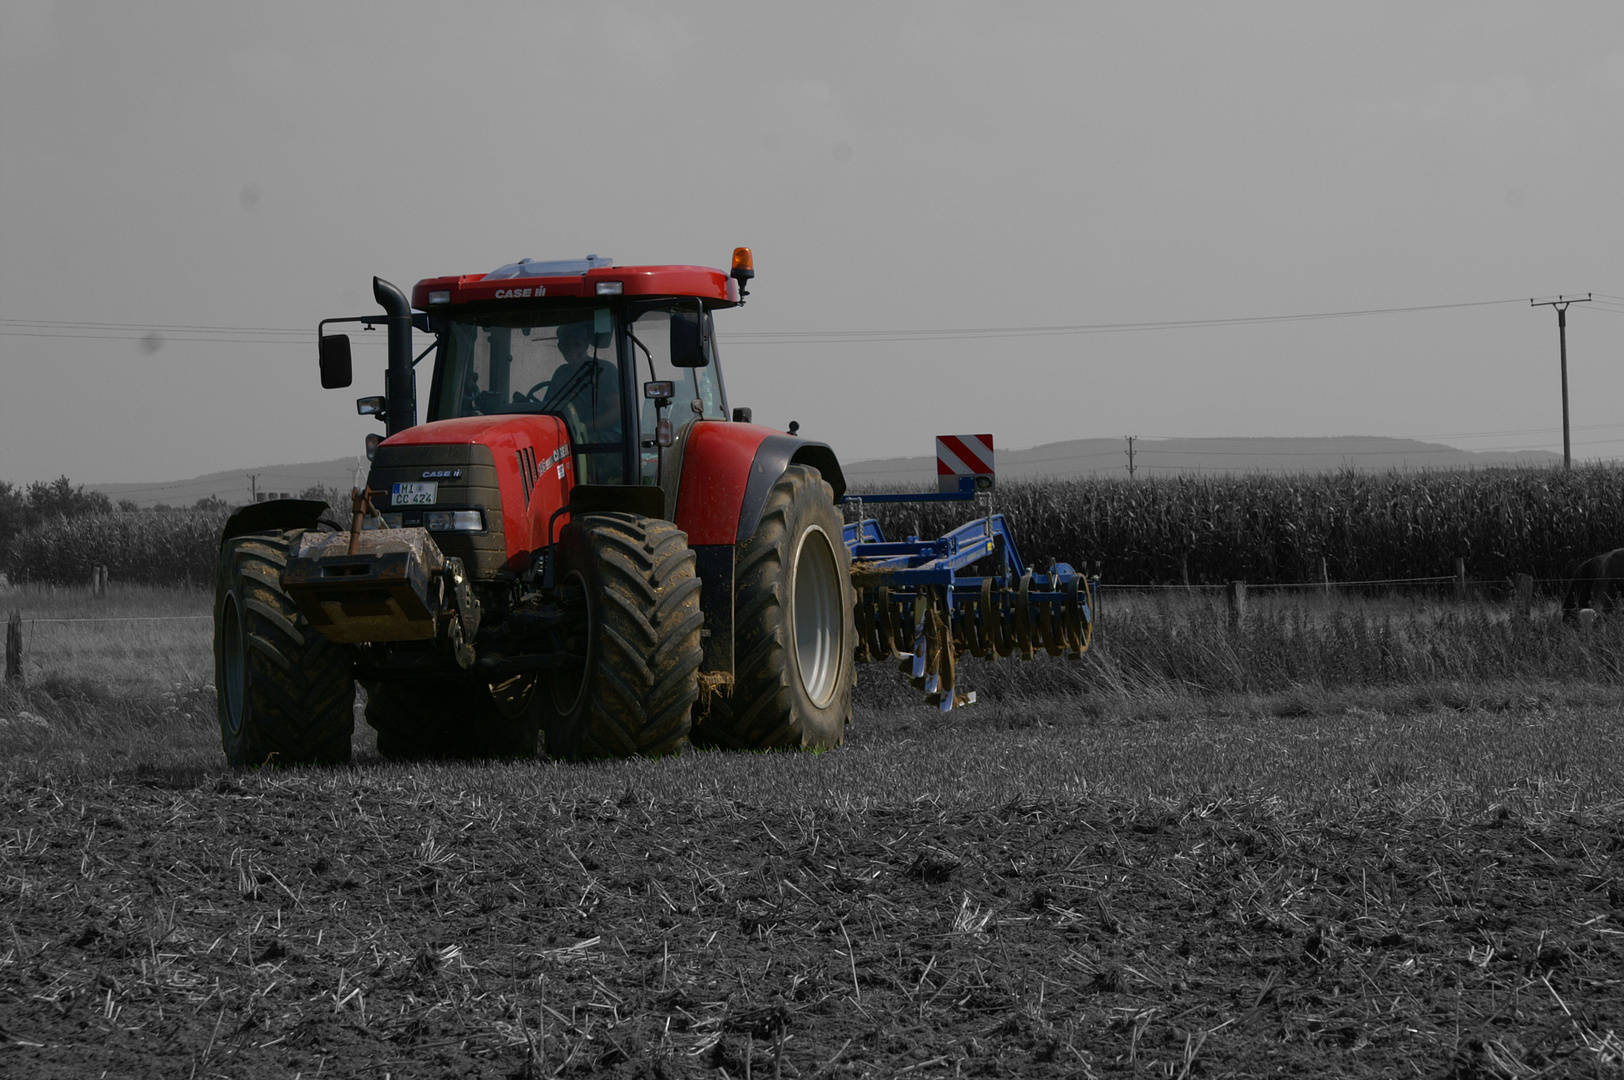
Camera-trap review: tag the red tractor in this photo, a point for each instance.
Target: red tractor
(581, 538)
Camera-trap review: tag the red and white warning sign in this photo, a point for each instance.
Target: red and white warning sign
(960, 456)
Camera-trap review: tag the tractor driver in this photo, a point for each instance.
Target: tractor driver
(585, 390)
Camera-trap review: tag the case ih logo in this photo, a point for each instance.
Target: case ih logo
(442, 474)
(515, 294)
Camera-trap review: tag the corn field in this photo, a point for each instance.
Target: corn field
(145, 547)
(1277, 529)
(1203, 529)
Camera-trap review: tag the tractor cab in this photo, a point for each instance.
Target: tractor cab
(625, 356)
(622, 375)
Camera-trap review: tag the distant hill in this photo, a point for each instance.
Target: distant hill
(1167, 457)
(1078, 457)
(234, 485)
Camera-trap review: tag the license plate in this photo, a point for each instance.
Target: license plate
(413, 494)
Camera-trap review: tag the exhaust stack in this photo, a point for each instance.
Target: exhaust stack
(400, 385)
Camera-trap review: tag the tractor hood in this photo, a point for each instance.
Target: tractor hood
(508, 474)
(490, 430)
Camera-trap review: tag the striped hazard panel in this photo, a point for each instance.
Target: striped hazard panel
(964, 456)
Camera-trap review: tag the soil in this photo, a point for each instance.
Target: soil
(378, 921)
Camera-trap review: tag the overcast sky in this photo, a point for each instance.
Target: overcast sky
(895, 167)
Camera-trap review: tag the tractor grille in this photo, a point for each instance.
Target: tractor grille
(466, 477)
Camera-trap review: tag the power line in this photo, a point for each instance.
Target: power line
(80, 324)
(839, 336)
(161, 333)
(1416, 438)
(276, 335)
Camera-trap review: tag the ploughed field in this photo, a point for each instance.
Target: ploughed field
(1142, 879)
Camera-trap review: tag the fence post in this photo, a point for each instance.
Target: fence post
(14, 647)
(1325, 576)
(1099, 597)
(1460, 579)
(1525, 595)
(1237, 604)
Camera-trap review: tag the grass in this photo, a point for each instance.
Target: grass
(136, 638)
(1466, 709)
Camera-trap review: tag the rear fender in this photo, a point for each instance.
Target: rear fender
(728, 469)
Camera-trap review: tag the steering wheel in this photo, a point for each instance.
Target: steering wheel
(563, 377)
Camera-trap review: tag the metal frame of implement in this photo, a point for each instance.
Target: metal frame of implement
(913, 593)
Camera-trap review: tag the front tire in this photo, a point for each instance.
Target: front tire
(794, 637)
(633, 583)
(285, 694)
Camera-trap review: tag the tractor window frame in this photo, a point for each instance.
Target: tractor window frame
(602, 455)
(702, 384)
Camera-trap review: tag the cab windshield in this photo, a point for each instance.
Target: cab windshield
(560, 361)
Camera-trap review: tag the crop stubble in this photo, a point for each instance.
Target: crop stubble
(900, 907)
(469, 923)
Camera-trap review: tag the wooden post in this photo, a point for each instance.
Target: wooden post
(1184, 570)
(1237, 604)
(14, 647)
(1099, 597)
(1325, 576)
(1524, 595)
(1460, 579)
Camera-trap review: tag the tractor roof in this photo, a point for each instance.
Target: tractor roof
(576, 279)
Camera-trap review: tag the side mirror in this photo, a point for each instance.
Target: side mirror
(335, 362)
(688, 339)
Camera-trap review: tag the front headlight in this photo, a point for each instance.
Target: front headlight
(454, 521)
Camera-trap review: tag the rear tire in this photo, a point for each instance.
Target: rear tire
(634, 583)
(286, 695)
(794, 638)
(455, 719)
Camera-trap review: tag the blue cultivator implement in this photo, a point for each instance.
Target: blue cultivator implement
(926, 602)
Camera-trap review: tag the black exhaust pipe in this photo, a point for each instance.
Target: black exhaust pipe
(400, 387)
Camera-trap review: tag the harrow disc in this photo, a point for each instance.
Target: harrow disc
(926, 628)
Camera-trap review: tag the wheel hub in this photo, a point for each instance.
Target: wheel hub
(816, 615)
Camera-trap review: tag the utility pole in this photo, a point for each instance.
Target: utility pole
(1561, 305)
(253, 487)
(1130, 439)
